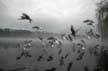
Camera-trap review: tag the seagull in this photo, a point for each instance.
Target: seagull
(73, 32)
(39, 58)
(90, 33)
(40, 38)
(25, 52)
(66, 55)
(83, 41)
(80, 56)
(69, 66)
(36, 27)
(51, 43)
(81, 47)
(89, 22)
(63, 36)
(50, 58)
(59, 43)
(69, 36)
(25, 17)
(51, 38)
(59, 52)
(97, 36)
(27, 41)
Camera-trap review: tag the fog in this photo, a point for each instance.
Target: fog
(52, 15)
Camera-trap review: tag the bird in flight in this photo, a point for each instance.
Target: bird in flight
(73, 32)
(89, 22)
(36, 27)
(25, 17)
(69, 66)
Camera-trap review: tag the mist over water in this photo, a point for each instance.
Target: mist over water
(24, 48)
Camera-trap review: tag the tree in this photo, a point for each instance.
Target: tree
(102, 16)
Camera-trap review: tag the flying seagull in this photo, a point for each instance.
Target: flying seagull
(25, 17)
(59, 52)
(69, 66)
(70, 38)
(51, 38)
(36, 27)
(80, 56)
(66, 55)
(39, 58)
(89, 22)
(40, 38)
(97, 36)
(73, 32)
(50, 58)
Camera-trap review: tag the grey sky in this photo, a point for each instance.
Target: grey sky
(52, 15)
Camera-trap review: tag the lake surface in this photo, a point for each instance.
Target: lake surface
(9, 50)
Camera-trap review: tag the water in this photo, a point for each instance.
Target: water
(9, 50)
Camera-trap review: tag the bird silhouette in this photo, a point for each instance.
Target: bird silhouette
(50, 58)
(80, 56)
(73, 31)
(25, 17)
(40, 38)
(39, 58)
(59, 52)
(69, 66)
(97, 36)
(36, 27)
(51, 38)
(83, 41)
(70, 38)
(90, 33)
(24, 49)
(89, 22)
(80, 47)
(66, 55)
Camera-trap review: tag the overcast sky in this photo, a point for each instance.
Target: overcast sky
(51, 15)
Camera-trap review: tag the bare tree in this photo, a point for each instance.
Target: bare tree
(102, 16)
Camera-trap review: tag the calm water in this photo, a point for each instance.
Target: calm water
(9, 50)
